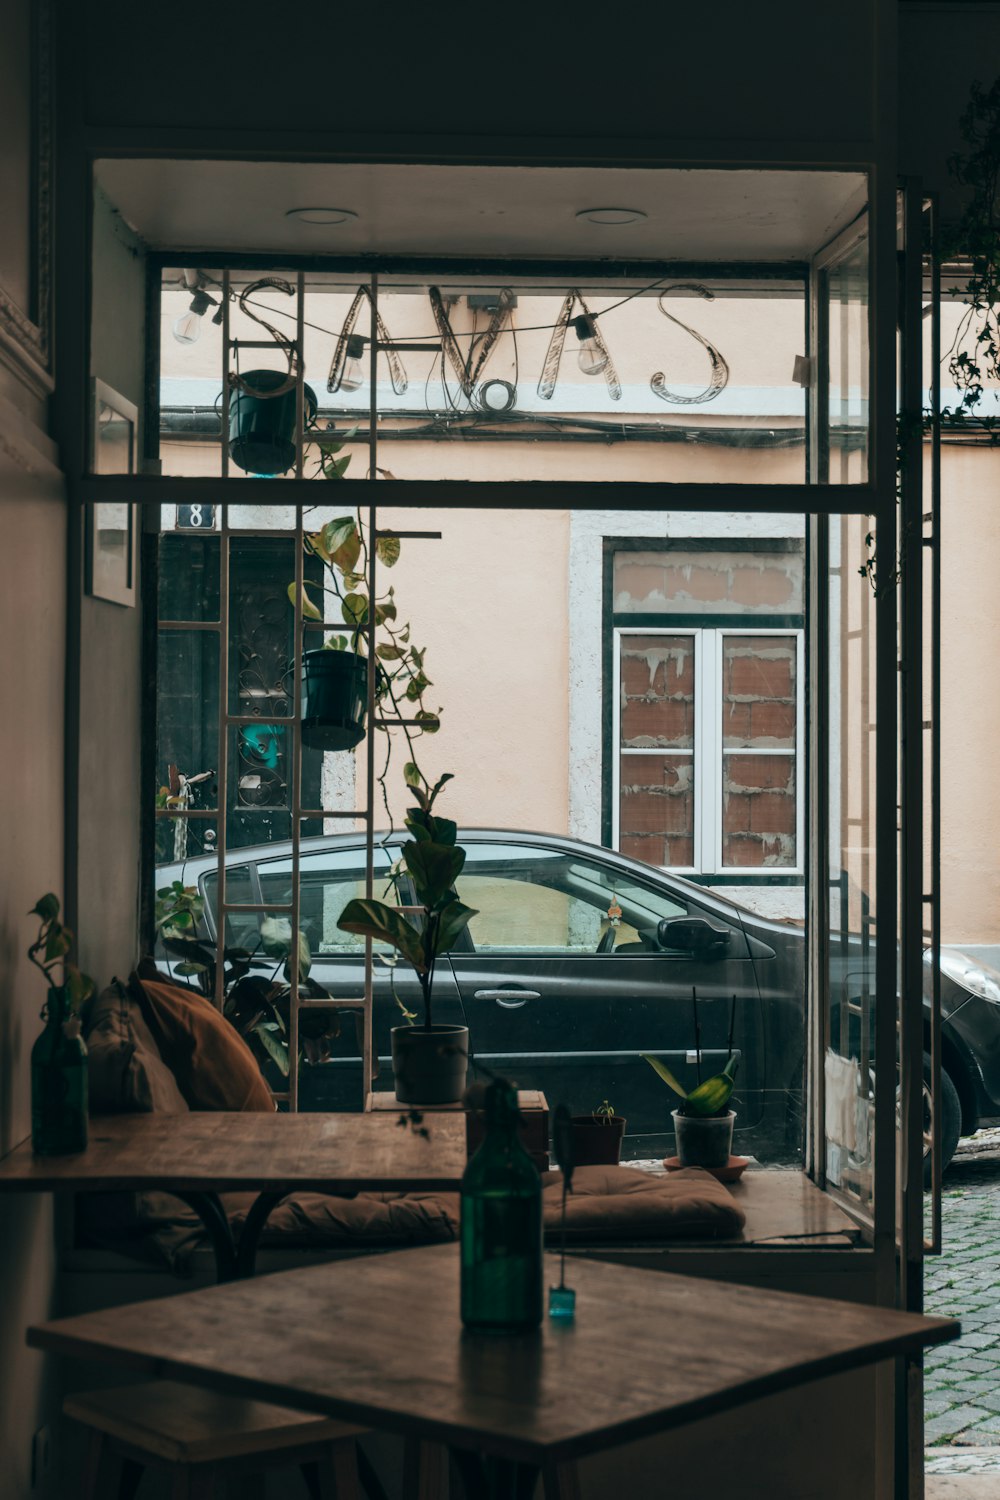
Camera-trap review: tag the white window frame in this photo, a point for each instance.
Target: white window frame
(708, 751)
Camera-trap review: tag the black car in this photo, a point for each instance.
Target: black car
(580, 960)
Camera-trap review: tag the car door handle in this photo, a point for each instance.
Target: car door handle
(509, 999)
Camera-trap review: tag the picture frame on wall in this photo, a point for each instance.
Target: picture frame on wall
(112, 529)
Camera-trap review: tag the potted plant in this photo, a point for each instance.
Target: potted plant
(703, 1121)
(597, 1137)
(256, 1004)
(335, 675)
(429, 1060)
(59, 1056)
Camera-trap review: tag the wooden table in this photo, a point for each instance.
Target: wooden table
(379, 1342)
(199, 1155)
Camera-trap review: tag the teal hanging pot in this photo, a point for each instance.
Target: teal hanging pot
(334, 699)
(262, 426)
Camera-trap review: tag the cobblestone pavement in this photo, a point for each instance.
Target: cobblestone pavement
(962, 1380)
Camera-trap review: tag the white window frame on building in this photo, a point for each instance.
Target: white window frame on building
(709, 750)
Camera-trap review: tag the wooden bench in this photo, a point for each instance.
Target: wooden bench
(202, 1436)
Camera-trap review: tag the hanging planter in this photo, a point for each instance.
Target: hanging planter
(262, 421)
(334, 699)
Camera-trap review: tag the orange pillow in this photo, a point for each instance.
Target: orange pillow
(213, 1065)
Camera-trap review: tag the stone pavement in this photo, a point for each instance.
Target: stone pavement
(962, 1380)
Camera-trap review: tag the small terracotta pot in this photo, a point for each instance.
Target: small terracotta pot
(597, 1140)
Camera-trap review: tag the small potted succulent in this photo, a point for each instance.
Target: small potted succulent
(429, 1060)
(597, 1137)
(703, 1121)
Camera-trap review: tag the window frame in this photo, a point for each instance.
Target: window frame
(708, 751)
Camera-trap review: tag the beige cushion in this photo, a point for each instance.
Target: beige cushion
(124, 1067)
(621, 1203)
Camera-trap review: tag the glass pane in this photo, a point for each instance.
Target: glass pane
(181, 843)
(327, 881)
(850, 1088)
(759, 692)
(187, 726)
(847, 294)
(657, 691)
(656, 801)
(758, 811)
(709, 582)
(188, 580)
(261, 626)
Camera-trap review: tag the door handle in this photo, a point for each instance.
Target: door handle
(509, 999)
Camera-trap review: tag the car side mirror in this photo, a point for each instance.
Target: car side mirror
(697, 935)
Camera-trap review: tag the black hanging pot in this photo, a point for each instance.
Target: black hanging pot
(262, 426)
(334, 699)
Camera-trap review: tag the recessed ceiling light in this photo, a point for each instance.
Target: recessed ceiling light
(611, 215)
(321, 215)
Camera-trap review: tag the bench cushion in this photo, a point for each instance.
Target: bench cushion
(124, 1069)
(213, 1066)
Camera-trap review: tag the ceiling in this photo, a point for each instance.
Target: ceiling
(493, 212)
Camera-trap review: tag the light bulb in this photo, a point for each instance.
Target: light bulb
(187, 328)
(353, 377)
(591, 357)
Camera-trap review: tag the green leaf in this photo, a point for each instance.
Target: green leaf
(429, 723)
(454, 920)
(276, 936)
(47, 907)
(309, 610)
(189, 968)
(376, 920)
(411, 774)
(712, 1095)
(354, 608)
(335, 468)
(58, 943)
(434, 868)
(276, 1049)
(341, 537)
(305, 960)
(445, 831)
(385, 611)
(79, 986)
(388, 652)
(660, 1067)
(387, 550)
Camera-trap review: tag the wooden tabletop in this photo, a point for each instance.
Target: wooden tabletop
(204, 1151)
(379, 1341)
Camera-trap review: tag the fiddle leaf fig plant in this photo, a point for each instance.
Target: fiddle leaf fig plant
(434, 861)
(51, 949)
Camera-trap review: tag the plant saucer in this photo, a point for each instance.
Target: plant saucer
(731, 1172)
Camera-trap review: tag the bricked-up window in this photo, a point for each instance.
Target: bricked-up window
(709, 730)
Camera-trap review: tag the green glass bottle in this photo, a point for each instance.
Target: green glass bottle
(59, 1081)
(501, 1226)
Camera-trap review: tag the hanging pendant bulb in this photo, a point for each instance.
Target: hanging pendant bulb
(591, 357)
(353, 377)
(187, 328)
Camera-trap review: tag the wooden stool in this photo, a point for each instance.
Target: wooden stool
(203, 1436)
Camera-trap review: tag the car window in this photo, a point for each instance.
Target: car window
(328, 880)
(546, 901)
(241, 926)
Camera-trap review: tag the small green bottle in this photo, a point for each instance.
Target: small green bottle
(59, 1081)
(501, 1228)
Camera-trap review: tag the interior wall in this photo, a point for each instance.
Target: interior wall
(33, 626)
(110, 645)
